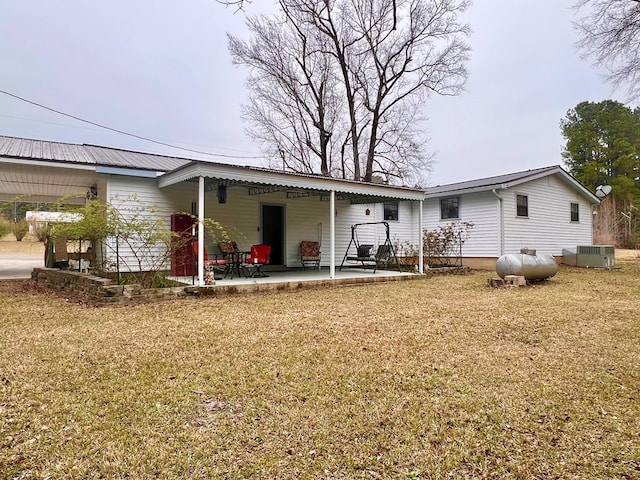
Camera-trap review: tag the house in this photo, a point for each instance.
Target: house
(255, 205)
(545, 208)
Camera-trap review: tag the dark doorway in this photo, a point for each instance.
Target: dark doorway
(273, 231)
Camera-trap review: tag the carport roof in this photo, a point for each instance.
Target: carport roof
(30, 149)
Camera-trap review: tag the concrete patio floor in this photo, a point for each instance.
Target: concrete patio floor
(297, 278)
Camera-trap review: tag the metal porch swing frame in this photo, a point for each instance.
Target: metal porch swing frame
(369, 260)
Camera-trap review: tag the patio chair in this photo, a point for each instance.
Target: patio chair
(211, 265)
(260, 255)
(310, 254)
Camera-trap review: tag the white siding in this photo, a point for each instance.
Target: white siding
(128, 195)
(480, 208)
(402, 232)
(307, 218)
(548, 228)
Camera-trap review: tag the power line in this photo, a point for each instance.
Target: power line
(122, 131)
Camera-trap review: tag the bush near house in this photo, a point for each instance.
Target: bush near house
(5, 226)
(443, 245)
(19, 229)
(136, 229)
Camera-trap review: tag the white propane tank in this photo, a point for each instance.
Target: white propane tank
(527, 264)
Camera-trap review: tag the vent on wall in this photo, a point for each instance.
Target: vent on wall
(594, 256)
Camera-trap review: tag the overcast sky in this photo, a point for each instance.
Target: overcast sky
(161, 69)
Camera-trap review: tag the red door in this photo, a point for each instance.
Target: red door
(182, 261)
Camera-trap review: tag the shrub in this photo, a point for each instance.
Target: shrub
(20, 229)
(41, 233)
(443, 245)
(5, 227)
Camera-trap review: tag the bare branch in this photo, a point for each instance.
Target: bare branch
(610, 36)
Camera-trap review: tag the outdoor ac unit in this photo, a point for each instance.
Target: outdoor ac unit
(593, 256)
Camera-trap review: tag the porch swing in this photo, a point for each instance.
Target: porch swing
(364, 256)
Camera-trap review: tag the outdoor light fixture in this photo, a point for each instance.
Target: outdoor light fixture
(222, 193)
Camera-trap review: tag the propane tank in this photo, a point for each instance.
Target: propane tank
(527, 264)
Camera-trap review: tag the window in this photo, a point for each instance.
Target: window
(522, 205)
(575, 212)
(391, 211)
(449, 208)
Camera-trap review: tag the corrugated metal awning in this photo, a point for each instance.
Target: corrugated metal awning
(254, 177)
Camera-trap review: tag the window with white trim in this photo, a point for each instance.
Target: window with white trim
(449, 208)
(575, 212)
(522, 205)
(391, 211)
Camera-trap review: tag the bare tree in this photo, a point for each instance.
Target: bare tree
(344, 82)
(292, 105)
(237, 4)
(610, 35)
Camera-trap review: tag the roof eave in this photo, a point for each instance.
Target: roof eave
(566, 177)
(265, 177)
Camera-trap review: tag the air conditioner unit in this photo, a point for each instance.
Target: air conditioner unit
(590, 256)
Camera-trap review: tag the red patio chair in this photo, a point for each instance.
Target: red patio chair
(211, 265)
(260, 255)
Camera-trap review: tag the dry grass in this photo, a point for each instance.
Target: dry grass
(9, 245)
(441, 378)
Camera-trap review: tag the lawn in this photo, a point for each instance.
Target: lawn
(437, 378)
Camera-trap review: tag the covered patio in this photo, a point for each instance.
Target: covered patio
(306, 201)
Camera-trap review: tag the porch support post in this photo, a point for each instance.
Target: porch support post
(420, 243)
(332, 234)
(201, 231)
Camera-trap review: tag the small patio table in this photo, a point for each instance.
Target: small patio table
(236, 260)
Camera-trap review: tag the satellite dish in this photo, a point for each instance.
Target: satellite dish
(603, 190)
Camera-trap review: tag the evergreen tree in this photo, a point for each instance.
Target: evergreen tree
(603, 148)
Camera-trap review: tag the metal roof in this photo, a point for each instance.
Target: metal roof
(488, 182)
(507, 181)
(263, 176)
(30, 149)
(176, 169)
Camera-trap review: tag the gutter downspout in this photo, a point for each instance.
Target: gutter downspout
(501, 219)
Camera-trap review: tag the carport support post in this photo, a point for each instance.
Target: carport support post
(332, 234)
(420, 242)
(201, 231)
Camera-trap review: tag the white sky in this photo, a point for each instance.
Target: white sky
(161, 69)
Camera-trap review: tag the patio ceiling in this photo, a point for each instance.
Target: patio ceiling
(48, 183)
(260, 181)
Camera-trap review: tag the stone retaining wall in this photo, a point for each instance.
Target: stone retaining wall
(98, 290)
(102, 291)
